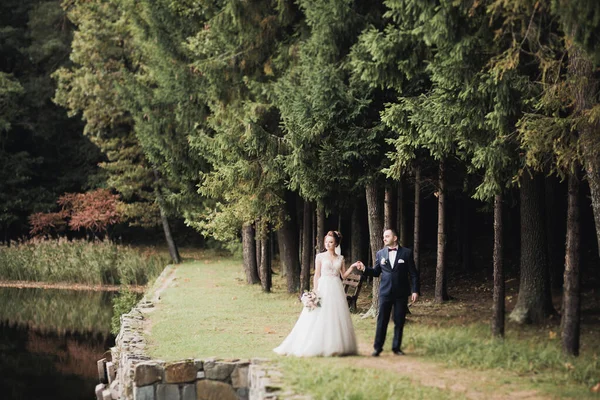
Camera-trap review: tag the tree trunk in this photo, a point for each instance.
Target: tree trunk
(441, 293)
(417, 221)
(554, 232)
(320, 228)
(498, 306)
(375, 235)
(306, 247)
(356, 247)
(571, 305)
(281, 251)
(173, 251)
(585, 88)
(288, 241)
(258, 244)
(534, 303)
(388, 209)
(401, 223)
(249, 251)
(592, 171)
(265, 264)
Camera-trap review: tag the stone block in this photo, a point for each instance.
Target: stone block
(239, 376)
(199, 365)
(200, 375)
(102, 377)
(243, 393)
(167, 391)
(99, 389)
(188, 391)
(144, 393)
(218, 370)
(180, 372)
(214, 390)
(147, 373)
(111, 372)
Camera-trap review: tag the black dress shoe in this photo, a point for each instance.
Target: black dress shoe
(398, 352)
(376, 353)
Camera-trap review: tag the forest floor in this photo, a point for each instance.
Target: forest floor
(208, 299)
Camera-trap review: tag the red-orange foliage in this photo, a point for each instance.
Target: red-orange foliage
(94, 211)
(44, 223)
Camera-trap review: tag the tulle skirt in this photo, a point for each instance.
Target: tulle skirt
(326, 330)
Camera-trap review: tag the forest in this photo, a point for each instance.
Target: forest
(472, 127)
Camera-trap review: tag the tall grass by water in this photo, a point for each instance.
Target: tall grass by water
(93, 263)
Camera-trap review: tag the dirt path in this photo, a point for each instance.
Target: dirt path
(472, 384)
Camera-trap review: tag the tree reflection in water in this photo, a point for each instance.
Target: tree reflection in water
(50, 341)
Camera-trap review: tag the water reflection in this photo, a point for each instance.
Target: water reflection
(50, 341)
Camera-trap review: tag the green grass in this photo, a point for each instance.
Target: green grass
(328, 378)
(218, 314)
(94, 263)
(540, 359)
(209, 311)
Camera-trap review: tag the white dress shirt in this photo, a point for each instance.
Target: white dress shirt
(392, 256)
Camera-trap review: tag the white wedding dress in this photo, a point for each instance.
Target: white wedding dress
(326, 330)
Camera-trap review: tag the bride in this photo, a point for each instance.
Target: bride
(326, 330)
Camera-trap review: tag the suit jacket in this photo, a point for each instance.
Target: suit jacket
(395, 281)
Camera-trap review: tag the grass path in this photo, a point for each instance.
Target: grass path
(207, 310)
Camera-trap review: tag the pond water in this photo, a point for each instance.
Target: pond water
(50, 341)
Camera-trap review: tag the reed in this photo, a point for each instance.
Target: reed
(79, 261)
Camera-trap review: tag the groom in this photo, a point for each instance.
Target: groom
(395, 265)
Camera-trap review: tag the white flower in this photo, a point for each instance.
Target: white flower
(311, 300)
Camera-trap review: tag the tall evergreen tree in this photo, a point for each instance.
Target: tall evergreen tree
(105, 56)
(48, 151)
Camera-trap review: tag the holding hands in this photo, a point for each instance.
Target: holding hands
(359, 266)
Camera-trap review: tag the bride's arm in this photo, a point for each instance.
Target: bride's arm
(346, 272)
(317, 272)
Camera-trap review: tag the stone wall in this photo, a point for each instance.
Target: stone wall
(130, 374)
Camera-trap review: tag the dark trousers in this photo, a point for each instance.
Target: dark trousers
(385, 309)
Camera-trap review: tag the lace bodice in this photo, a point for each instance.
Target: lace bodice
(329, 268)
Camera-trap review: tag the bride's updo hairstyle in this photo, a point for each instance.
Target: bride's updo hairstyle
(337, 237)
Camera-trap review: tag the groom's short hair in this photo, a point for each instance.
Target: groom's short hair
(391, 229)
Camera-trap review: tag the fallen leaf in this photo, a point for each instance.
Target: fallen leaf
(596, 389)
(552, 335)
(569, 366)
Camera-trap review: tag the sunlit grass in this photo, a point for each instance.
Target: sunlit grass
(331, 378)
(209, 311)
(539, 359)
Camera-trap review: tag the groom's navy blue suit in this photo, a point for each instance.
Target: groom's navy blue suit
(394, 290)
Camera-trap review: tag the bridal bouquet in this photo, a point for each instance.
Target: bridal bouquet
(311, 300)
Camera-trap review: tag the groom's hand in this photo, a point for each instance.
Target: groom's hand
(414, 297)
